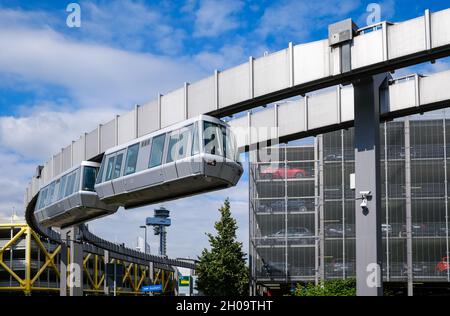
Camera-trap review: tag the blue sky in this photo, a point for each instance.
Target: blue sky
(57, 82)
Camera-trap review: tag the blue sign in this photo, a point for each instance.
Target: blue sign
(152, 288)
(158, 221)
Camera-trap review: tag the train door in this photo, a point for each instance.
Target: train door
(195, 158)
(117, 180)
(183, 151)
(170, 170)
(213, 149)
(106, 185)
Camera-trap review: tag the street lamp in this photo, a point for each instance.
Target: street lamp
(145, 238)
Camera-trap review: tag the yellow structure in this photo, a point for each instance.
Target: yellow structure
(29, 264)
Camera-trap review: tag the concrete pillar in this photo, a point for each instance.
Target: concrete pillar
(76, 263)
(368, 185)
(63, 270)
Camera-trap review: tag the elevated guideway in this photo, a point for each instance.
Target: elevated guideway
(334, 109)
(296, 70)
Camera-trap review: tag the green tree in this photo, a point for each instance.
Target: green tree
(345, 287)
(223, 269)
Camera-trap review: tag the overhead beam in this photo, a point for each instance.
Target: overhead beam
(293, 71)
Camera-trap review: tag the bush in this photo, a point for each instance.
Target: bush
(345, 287)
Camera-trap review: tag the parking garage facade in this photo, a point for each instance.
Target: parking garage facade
(302, 209)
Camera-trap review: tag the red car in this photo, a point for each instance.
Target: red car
(443, 265)
(282, 172)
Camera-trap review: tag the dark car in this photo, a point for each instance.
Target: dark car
(339, 266)
(336, 230)
(418, 269)
(274, 269)
(279, 206)
(296, 235)
(420, 230)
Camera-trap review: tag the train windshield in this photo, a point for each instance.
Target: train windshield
(218, 140)
(89, 175)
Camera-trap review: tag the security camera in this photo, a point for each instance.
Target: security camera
(364, 193)
(363, 203)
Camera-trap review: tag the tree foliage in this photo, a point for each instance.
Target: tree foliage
(345, 287)
(223, 269)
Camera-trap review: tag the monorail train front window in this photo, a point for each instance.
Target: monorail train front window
(89, 175)
(211, 138)
(229, 145)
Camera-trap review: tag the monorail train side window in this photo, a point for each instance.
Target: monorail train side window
(62, 187)
(70, 183)
(109, 168)
(89, 174)
(51, 190)
(118, 166)
(56, 191)
(42, 198)
(195, 145)
(100, 173)
(171, 148)
(184, 138)
(211, 138)
(131, 161)
(77, 185)
(156, 152)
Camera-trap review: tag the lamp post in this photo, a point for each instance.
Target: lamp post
(145, 238)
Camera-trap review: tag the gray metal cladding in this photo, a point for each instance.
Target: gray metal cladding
(57, 164)
(440, 28)
(311, 61)
(66, 158)
(322, 109)
(148, 118)
(201, 97)
(234, 85)
(172, 107)
(79, 149)
(92, 146)
(406, 38)
(107, 136)
(126, 126)
(271, 73)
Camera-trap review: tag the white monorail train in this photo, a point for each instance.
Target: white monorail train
(195, 156)
(70, 198)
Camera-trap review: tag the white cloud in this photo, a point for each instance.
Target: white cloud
(214, 18)
(293, 20)
(43, 130)
(130, 25)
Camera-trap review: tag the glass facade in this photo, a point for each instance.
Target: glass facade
(302, 210)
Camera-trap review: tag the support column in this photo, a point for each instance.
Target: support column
(105, 282)
(409, 259)
(368, 183)
(321, 209)
(76, 264)
(63, 269)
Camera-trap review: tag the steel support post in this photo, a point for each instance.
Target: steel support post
(76, 263)
(105, 282)
(368, 185)
(63, 270)
(408, 195)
